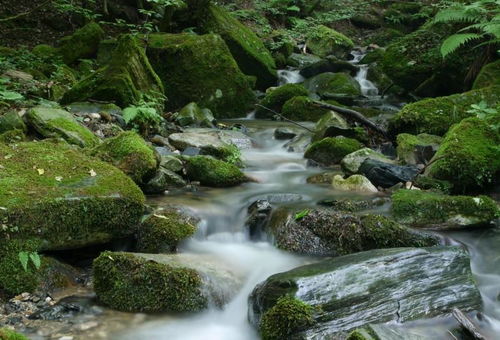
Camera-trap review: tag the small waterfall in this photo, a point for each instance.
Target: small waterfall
(289, 77)
(368, 89)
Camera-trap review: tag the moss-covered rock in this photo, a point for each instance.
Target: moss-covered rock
(129, 152)
(82, 44)
(7, 334)
(469, 156)
(301, 60)
(12, 136)
(286, 317)
(192, 114)
(276, 98)
(248, 50)
(384, 36)
(11, 121)
(301, 108)
(201, 69)
(44, 51)
(352, 162)
(213, 173)
(356, 183)
(415, 59)
(338, 86)
(131, 283)
(432, 210)
(324, 41)
(436, 115)
(332, 124)
(53, 193)
(162, 233)
(125, 80)
(330, 151)
(58, 123)
(417, 149)
(489, 76)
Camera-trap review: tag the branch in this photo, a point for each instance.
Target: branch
(17, 16)
(283, 117)
(467, 324)
(354, 115)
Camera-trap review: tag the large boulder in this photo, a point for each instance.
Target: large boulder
(386, 175)
(248, 50)
(489, 76)
(276, 98)
(136, 282)
(129, 152)
(337, 86)
(436, 115)
(332, 124)
(436, 211)
(417, 149)
(355, 183)
(82, 44)
(302, 108)
(213, 172)
(376, 286)
(326, 232)
(329, 65)
(352, 162)
(330, 151)
(125, 80)
(193, 115)
(201, 69)
(469, 156)
(58, 123)
(324, 41)
(53, 193)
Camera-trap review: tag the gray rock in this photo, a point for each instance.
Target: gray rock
(259, 213)
(284, 133)
(351, 163)
(299, 143)
(387, 175)
(302, 60)
(329, 120)
(163, 180)
(11, 121)
(171, 162)
(192, 114)
(355, 183)
(328, 65)
(376, 286)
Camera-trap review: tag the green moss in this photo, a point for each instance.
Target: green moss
(362, 334)
(201, 69)
(301, 108)
(469, 156)
(489, 76)
(276, 98)
(286, 317)
(373, 56)
(82, 44)
(51, 192)
(437, 115)
(129, 152)
(323, 41)
(7, 334)
(407, 143)
(214, 173)
(247, 49)
(11, 121)
(382, 38)
(12, 136)
(329, 151)
(192, 114)
(429, 209)
(130, 283)
(336, 86)
(162, 233)
(429, 183)
(44, 51)
(124, 80)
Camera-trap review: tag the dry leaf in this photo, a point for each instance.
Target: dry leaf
(40, 171)
(59, 178)
(8, 156)
(92, 173)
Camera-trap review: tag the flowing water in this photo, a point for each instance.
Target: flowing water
(281, 178)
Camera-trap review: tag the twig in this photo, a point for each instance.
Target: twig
(284, 118)
(467, 324)
(355, 115)
(17, 16)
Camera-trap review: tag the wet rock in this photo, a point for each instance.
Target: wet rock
(302, 60)
(259, 213)
(68, 308)
(11, 120)
(163, 180)
(325, 232)
(323, 178)
(213, 173)
(337, 86)
(386, 332)
(328, 65)
(330, 151)
(387, 175)
(376, 286)
(275, 99)
(352, 162)
(328, 120)
(352, 205)
(356, 183)
(284, 133)
(191, 151)
(302, 108)
(192, 114)
(299, 143)
(417, 149)
(436, 211)
(171, 162)
(324, 41)
(136, 282)
(284, 198)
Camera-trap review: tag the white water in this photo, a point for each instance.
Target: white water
(291, 76)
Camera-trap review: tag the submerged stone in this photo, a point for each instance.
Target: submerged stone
(376, 286)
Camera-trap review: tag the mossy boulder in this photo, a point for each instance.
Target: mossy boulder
(192, 114)
(58, 123)
(12, 136)
(7, 334)
(275, 99)
(129, 152)
(53, 193)
(355, 183)
(417, 149)
(44, 51)
(330, 151)
(302, 108)
(152, 283)
(469, 156)
(332, 124)
(201, 69)
(125, 80)
(82, 44)
(384, 36)
(341, 87)
(301, 60)
(162, 233)
(213, 172)
(436, 211)
(436, 115)
(352, 162)
(324, 41)
(11, 121)
(489, 76)
(248, 50)
(415, 61)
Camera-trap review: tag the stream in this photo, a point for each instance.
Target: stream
(281, 178)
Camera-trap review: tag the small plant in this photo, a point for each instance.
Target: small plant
(301, 214)
(25, 257)
(6, 95)
(481, 110)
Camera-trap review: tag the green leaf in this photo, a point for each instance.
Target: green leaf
(23, 258)
(453, 42)
(293, 9)
(35, 259)
(10, 95)
(301, 214)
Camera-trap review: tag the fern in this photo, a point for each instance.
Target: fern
(455, 41)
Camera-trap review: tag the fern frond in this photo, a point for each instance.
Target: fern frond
(493, 29)
(453, 42)
(455, 14)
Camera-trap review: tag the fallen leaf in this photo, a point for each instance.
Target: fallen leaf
(92, 173)
(8, 156)
(59, 178)
(40, 171)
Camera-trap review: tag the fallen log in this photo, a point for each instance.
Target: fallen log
(467, 324)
